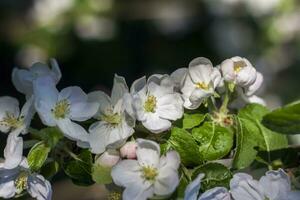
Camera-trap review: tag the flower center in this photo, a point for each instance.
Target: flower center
(113, 119)
(150, 104)
(11, 121)
(114, 195)
(238, 66)
(202, 85)
(149, 173)
(62, 108)
(21, 182)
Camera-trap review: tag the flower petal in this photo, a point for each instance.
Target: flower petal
(276, 184)
(155, 124)
(103, 100)
(200, 70)
(217, 193)
(227, 69)
(83, 111)
(192, 190)
(170, 106)
(126, 172)
(22, 80)
(46, 95)
(39, 187)
(198, 96)
(256, 85)
(138, 85)
(55, 70)
(119, 89)
(138, 191)
(27, 112)
(148, 153)
(9, 106)
(72, 130)
(7, 186)
(74, 94)
(178, 77)
(14, 150)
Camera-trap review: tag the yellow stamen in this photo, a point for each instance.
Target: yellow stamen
(11, 121)
(149, 173)
(62, 108)
(21, 182)
(202, 85)
(113, 119)
(238, 66)
(114, 196)
(150, 104)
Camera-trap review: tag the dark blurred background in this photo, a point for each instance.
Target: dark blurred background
(93, 39)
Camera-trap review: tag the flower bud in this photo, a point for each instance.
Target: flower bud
(108, 158)
(239, 71)
(129, 150)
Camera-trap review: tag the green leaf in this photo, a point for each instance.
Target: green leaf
(270, 140)
(51, 136)
(183, 142)
(252, 136)
(38, 155)
(50, 169)
(80, 169)
(215, 141)
(216, 175)
(246, 141)
(101, 174)
(192, 120)
(284, 120)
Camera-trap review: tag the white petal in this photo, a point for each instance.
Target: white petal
(178, 77)
(55, 70)
(103, 100)
(72, 130)
(138, 106)
(256, 85)
(119, 89)
(39, 187)
(108, 159)
(187, 90)
(98, 137)
(293, 195)
(22, 80)
(148, 153)
(192, 190)
(242, 186)
(159, 91)
(27, 112)
(167, 179)
(217, 193)
(246, 76)
(200, 70)
(216, 77)
(83, 111)
(198, 96)
(128, 104)
(46, 95)
(138, 85)
(276, 184)
(256, 99)
(74, 94)
(13, 150)
(126, 172)
(138, 191)
(7, 187)
(227, 69)
(9, 105)
(155, 124)
(170, 106)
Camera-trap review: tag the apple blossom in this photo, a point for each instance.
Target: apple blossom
(115, 125)
(238, 71)
(108, 159)
(200, 82)
(61, 108)
(23, 78)
(155, 102)
(11, 117)
(15, 176)
(149, 175)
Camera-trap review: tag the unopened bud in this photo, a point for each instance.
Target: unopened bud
(129, 150)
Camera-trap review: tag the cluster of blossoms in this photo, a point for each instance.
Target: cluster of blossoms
(137, 163)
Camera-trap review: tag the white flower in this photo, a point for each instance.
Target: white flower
(243, 186)
(277, 186)
(192, 191)
(23, 78)
(149, 175)
(200, 82)
(10, 116)
(178, 77)
(239, 71)
(115, 125)
(60, 108)
(15, 176)
(155, 102)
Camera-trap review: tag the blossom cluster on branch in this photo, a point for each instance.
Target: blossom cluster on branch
(159, 139)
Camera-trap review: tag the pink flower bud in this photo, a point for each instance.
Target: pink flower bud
(129, 150)
(108, 158)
